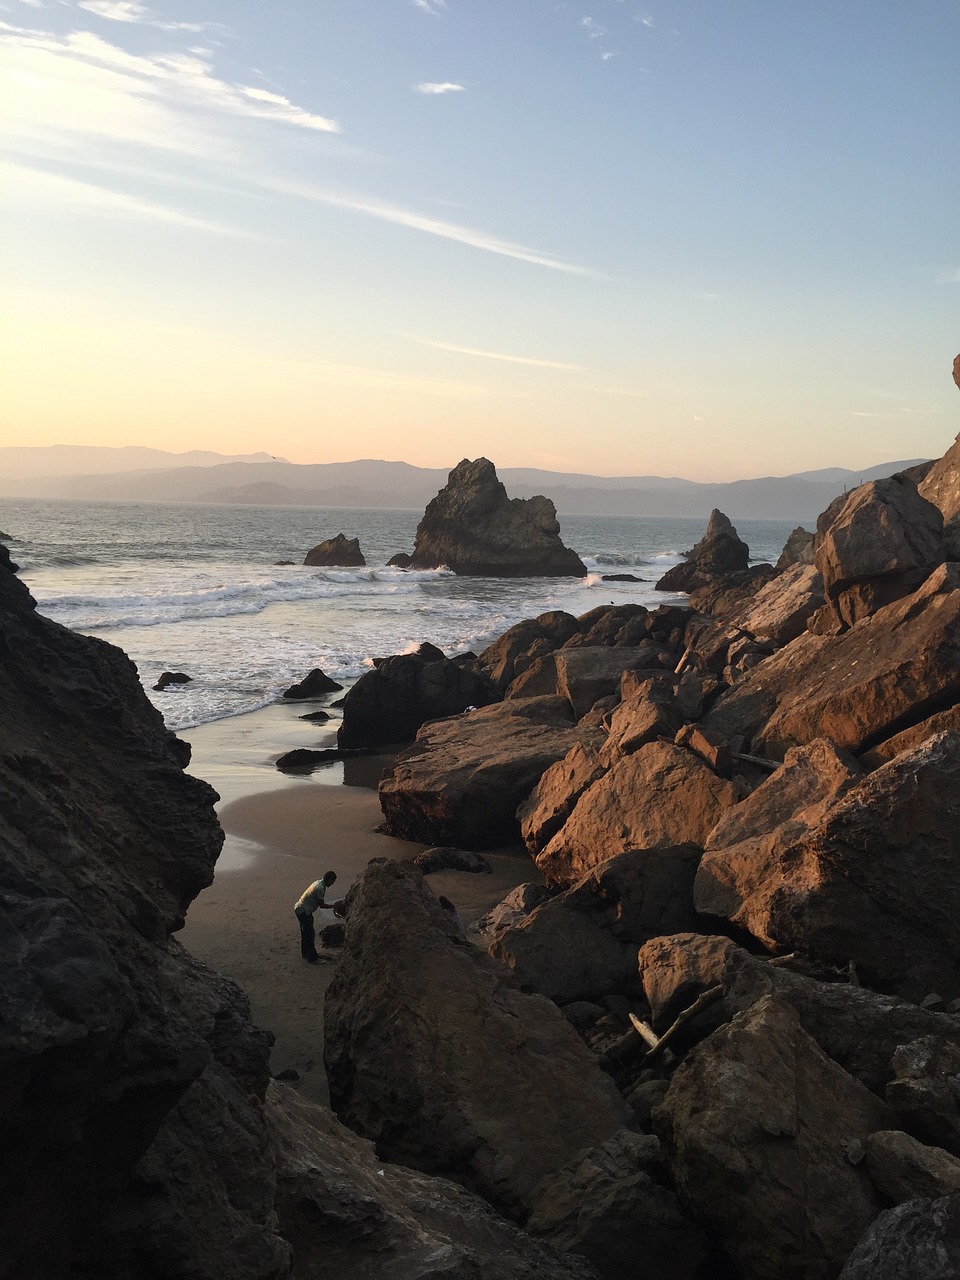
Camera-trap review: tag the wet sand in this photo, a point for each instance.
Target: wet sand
(282, 832)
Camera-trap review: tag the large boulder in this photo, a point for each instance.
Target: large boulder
(940, 484)
(472, 527)
(676, 968)
(339, 551)
(925, 1089)
(750, 849)
(389, 703)
(434, 1054)
(612, 624)
(889, 1044)
(649, 709)
(351, 1215)
(901, 1168)
(660, 796)
(755, 1127)
(521, 645)
(719, 552)
(879, 546)
(552, 800)
(590, 672)
(918, 1239)
(582, 944)
(872, 876)
(857, 688)
(612, 1206)
(463, 779)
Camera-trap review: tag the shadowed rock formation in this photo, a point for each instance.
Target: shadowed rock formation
(719, 553)
(473, 528)
(433, 1053)
(339, 551)
(391, 702)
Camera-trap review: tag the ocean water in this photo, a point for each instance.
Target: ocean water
(199, 589)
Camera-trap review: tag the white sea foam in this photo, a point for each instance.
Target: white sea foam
(198, 589)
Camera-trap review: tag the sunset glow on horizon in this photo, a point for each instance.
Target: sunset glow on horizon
(696, 239)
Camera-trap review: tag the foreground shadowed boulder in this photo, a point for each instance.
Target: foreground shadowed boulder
(918, 1239)
(434, 1054)
(611, 1205)
(754, 1125)
(126, 1069)
(351, 1216)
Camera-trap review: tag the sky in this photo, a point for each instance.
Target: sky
(703, 238)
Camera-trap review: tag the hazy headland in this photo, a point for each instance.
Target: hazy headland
(152, 475)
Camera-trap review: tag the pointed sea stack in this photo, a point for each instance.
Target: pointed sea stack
(473, 528)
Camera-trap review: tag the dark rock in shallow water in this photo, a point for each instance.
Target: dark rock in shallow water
(450, 859)
(621, 577)
(314, 685)
(316, 717)
(472, 527)
(307, 758)
(400, 561)
(171, 677)
(340, 551)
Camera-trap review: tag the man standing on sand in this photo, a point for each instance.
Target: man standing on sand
(312, 900)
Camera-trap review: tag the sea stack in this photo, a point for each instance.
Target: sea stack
(473, 528)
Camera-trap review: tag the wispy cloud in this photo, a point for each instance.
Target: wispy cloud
(595, 29)
(904, 410)
(431, 226)
(430, 6)
(134, 11)
(28, 186)
(81, 84)
(445, 86)
(950, 277)
(494, 355)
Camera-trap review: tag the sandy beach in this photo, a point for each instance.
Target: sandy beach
(282, 832)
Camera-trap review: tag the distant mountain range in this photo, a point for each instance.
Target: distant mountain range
(151, 475)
